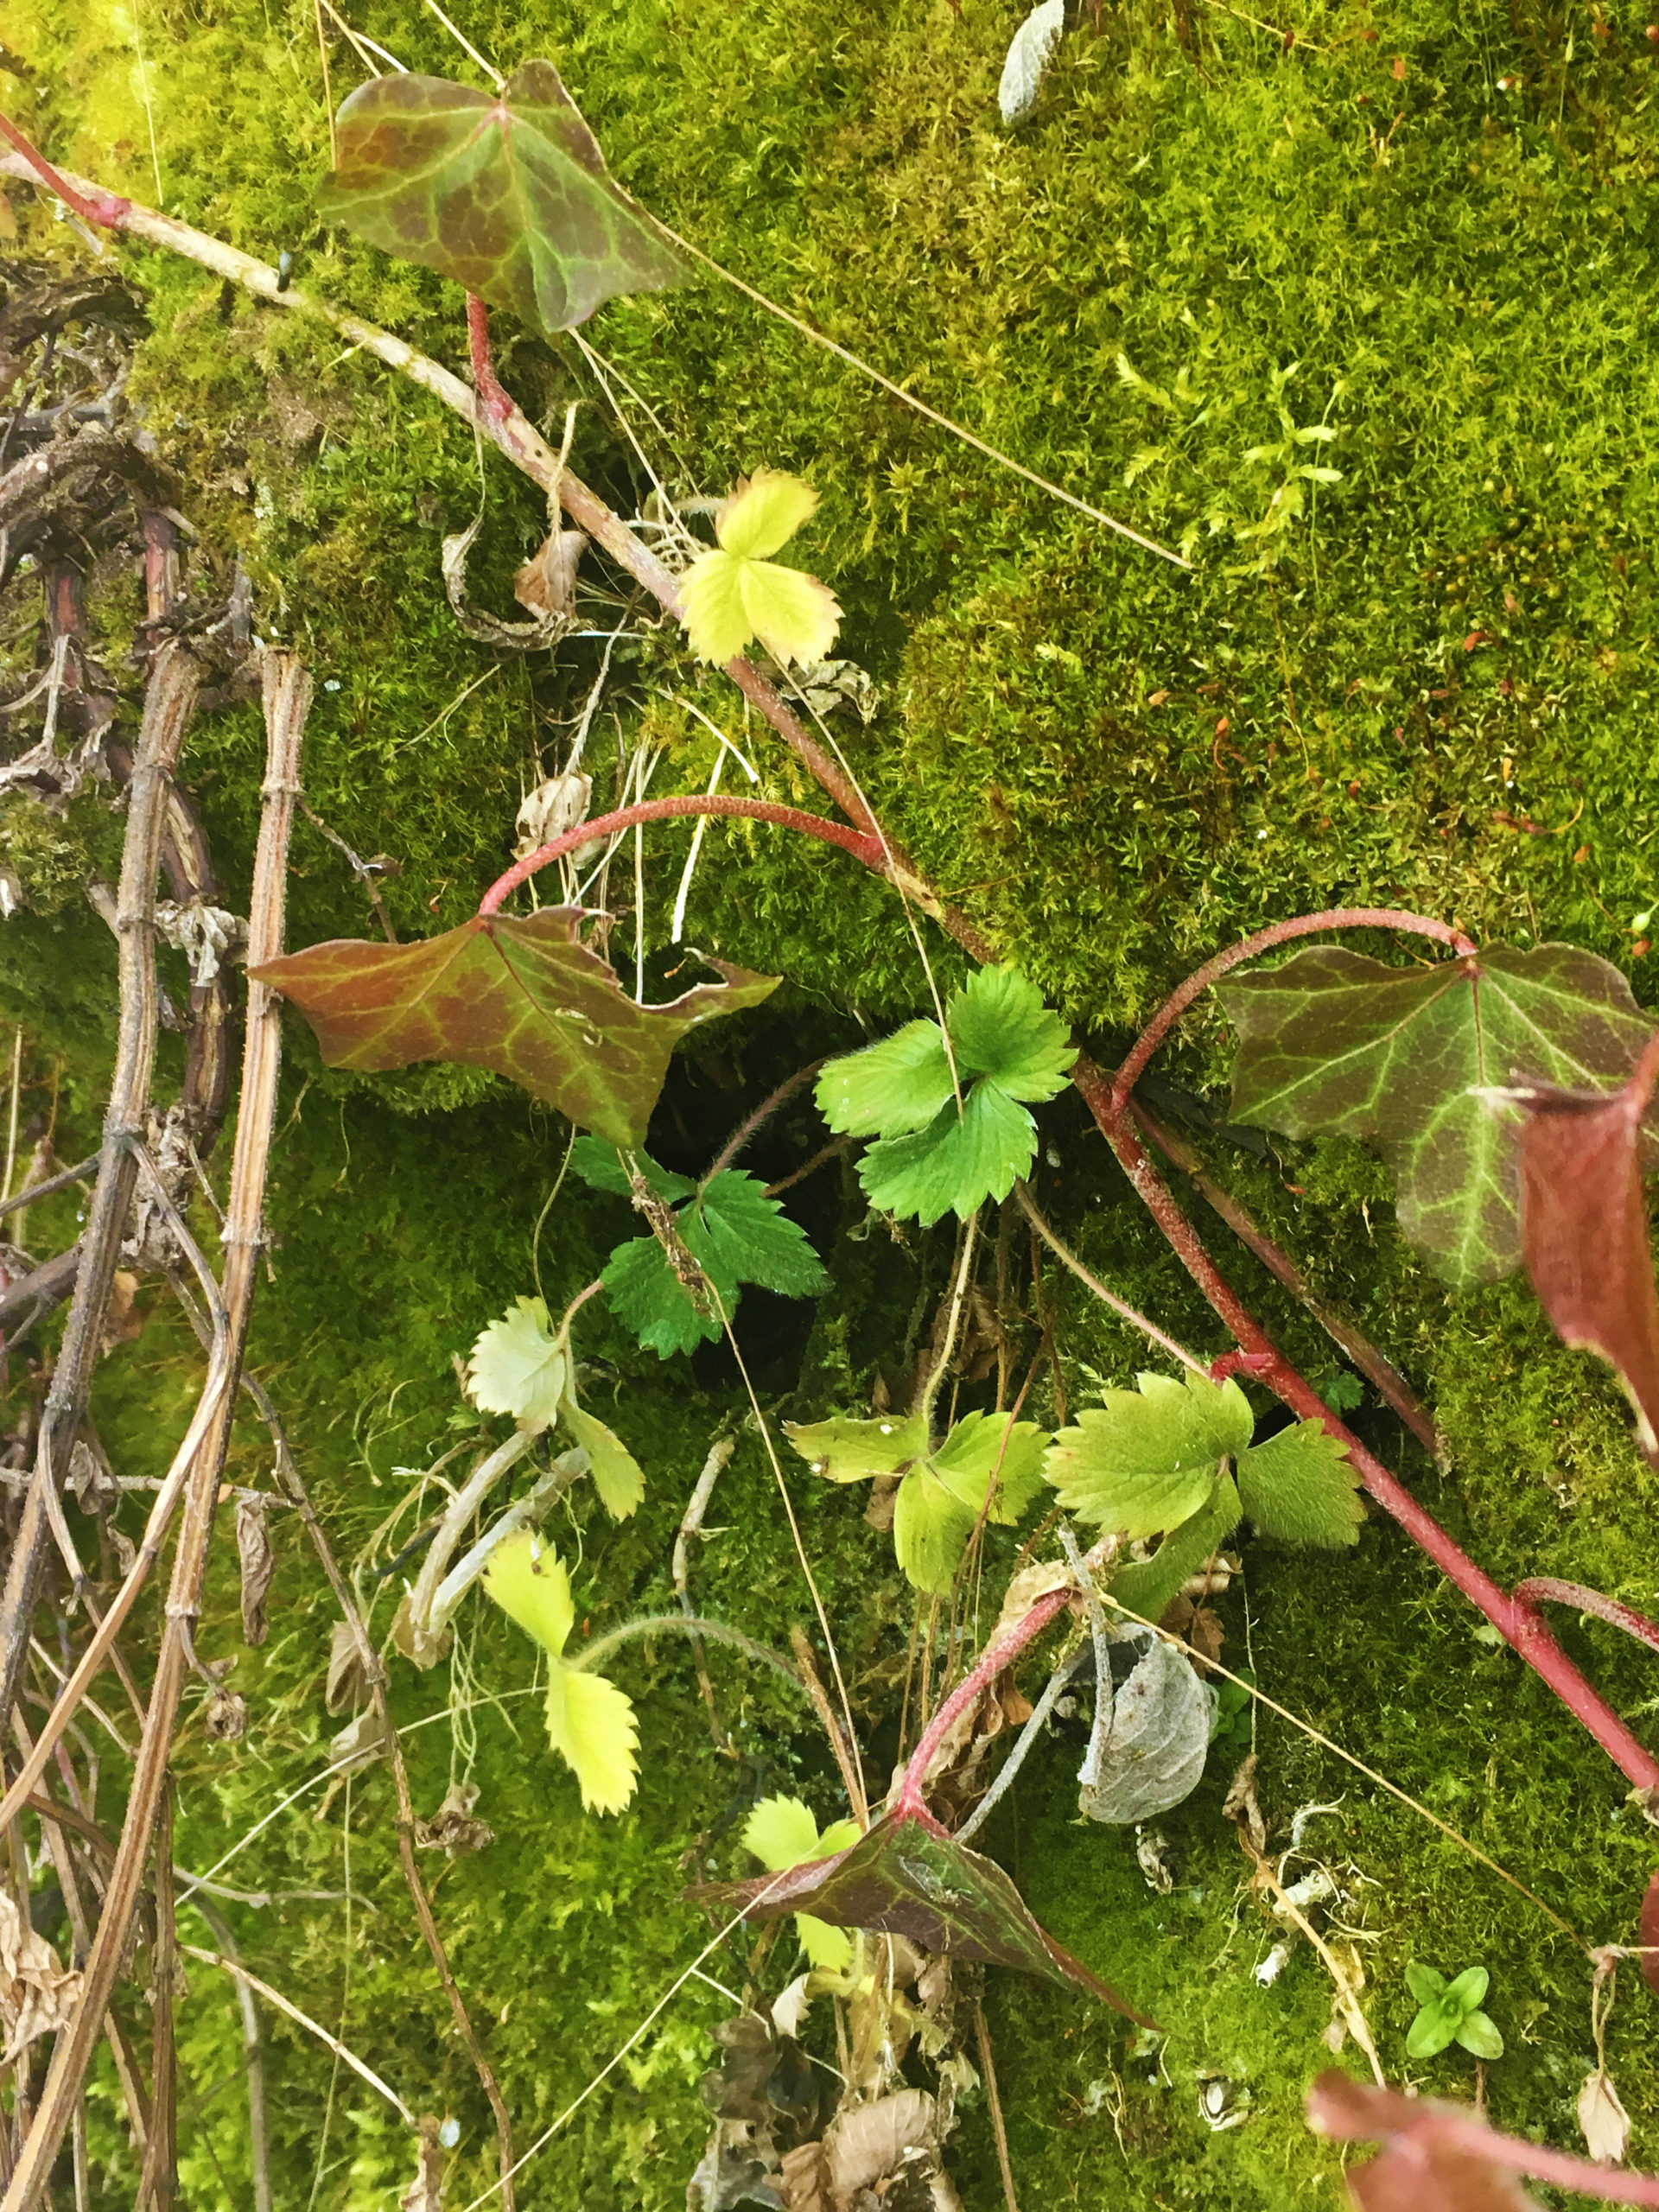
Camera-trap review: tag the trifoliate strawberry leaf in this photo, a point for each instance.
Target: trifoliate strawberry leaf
(1335, 1044)
(1149, 1458)
(844, 1451)
(516, 1368)
(781, 1833)
(956, 1163)
(506, 192)
(1301, 1485)
(518, 994)
(618, 1476)
(1001, 1028)
(737, 592)
(736, 1233)
(646, 1294)
(931, 1528)
(599, 1165)
(590, 1722)
(982, 1443)
(1146, 1586)
(889, 1088)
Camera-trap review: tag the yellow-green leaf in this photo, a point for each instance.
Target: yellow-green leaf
(529, 1582)
(781, 1832)
(590, 1724)
(616, 1474)
(726, 599)
(516, 1368)
(765, 514)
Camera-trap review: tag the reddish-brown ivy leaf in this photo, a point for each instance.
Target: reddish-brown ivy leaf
(505, 192)
(1333, 1043)
(908, 1877)
(1584, 1229)
(1414, 2172)
(520, 995)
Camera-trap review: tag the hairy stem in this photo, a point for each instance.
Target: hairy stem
(1545, 1588)
(494, 397)
(692, 1624)
(862, 847)
(1092, 1281)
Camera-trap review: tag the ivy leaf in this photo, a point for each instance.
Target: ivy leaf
(931, 1528)
(1300, 1485)
(618, 1476)
(1423, 2166)
(906, 1877)
(590, 1722)
(1584, 1231)
(1148, 1460)
(889, 1088)
(781, 1832)
(516, 1368)
(956, 1163)
(1333, 1043)
(735, 592)
(599, 1165)
(1001, 1028)
(506, 192)
(982, 1442)
(519, 995)
(844, 1451)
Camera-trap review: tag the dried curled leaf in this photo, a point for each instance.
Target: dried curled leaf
(1153, 1758)
(258, 1566)
(1603, 2118)
(867, 2144)
(1030, 52)
(37, 1996)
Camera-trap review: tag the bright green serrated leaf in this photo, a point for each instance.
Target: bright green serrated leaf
(737, 1234)
(725, 601)
(888, 1089)
(516, 1368)
(931, 1528)
(764, 514)
(844, 1451)
(980, 1442)
(1334, 1043)
(644, 1291)
(528, 1581)
(781, 1833)
(618, 1476)
(1149, 1458)
(1301, 1485)
(1001, 1028)
(590, 1723)
(956, 1163)
(1146, 1586)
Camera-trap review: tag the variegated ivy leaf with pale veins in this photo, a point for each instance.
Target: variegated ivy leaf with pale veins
(737, 591)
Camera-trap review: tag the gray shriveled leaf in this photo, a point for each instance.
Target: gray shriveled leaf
(1605, 2123)
(258, 1566)
(225, 1716)
(37, 1996)
(547, 582)
(359, 1743)
(1155, 1755)
(452, 1827)
(1029, 55)
(553, 807)
(868, 2144)
(425, 2192)
(349, 1685)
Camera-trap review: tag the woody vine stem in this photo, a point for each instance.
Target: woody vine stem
(1109, 1096)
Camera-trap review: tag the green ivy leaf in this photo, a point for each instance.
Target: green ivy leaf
(517, 994)
(844, 1451)
(1301, 1485)
(889, 1088)
(1334, 1043)
(517, 1367)
(956, 1163)
(504, 192)
(1001, 1029)
(1149, 1458)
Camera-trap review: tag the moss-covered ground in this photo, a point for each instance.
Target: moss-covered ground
(1427, 229)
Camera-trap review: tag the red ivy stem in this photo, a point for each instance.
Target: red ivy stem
(1517, 1623)
(493, 397)
(1250, 948)
(104, 208)
(869, 849)
(1546, 1588)
(910, 1802)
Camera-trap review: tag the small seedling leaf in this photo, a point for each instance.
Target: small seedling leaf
(890, 1088)
(518, 994)
(1333, 1043)
(1300, 1485)
(504, 192)
(516, 1368)
(1478, 2034)
(1584, 1230)
(845, 1451)
(590, 1722)
(1148, 1460)
(907, 1877)
(764, 514)
(781, 1832)
(1425, 1984)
